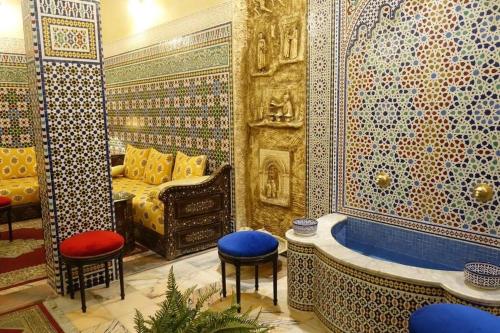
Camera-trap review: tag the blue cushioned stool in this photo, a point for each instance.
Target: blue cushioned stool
(453, 318)
(248, 248)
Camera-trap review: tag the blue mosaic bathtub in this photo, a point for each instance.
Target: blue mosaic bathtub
(408, 247)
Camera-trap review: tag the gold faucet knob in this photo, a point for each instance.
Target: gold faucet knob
(383, 180)
(483, 192)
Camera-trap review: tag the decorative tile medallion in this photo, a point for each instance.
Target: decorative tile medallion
(70, 39)
(415, 96)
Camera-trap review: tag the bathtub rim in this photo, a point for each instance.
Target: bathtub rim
(451, 281)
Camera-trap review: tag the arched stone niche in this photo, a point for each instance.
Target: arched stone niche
(274, 177)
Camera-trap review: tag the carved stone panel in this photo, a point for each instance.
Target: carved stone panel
(274, 177)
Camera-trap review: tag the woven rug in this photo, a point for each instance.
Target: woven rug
(22, 260)
(33, 318)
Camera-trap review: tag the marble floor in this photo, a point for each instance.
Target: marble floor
(145, 282)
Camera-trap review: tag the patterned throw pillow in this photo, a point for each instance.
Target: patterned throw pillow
(189, 167)
(159, 168)
(17, 163)
(135, 162)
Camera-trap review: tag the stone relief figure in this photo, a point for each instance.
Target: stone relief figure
(291, 43)
(261, 53)
(273, 183)
(282, 110)
(274, 177)
(294, 42)
(260, 6)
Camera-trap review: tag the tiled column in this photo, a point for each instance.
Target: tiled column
(64, 57)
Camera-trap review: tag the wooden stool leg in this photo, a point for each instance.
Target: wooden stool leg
(81, 280)
(106, 271)
(238, 287)
(9, 222)
(223, 269)
(275, 280)
(70, 281)
(257, 277)
(120, 268)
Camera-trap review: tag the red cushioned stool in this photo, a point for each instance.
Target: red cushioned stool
(91, 248)
(6, 207)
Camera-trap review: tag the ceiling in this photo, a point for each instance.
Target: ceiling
(120, 18)
(123, 18)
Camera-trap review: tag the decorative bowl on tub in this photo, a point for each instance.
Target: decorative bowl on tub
(482, 275)
(305, 227)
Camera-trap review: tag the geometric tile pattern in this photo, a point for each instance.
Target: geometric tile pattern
(416, 99)
(84, 132)
(69, 38)
(197, 59)
(300, 274)
(175, 99)
(71, 137)
(67, 8)
(347, 299)
(15, 115)
(321, 122)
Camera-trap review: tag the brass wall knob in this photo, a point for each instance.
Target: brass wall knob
(483, 192)
(383, 180)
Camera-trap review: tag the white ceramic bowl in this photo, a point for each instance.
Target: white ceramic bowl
(305, 227)
(482, 275)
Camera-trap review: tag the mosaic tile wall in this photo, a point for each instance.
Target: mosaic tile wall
(15, 116)
(414, 96)
(64, 58)
(174, 96)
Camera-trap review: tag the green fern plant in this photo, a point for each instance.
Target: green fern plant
(180, 314)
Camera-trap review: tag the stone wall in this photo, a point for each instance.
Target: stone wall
(276, 113)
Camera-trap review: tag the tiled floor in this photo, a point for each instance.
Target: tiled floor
(145, 283)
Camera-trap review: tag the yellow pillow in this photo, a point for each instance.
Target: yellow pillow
(159, 168)
(117, 170)
(17, 163)
(189, 167)
(135, 162)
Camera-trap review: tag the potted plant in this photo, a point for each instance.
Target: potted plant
(181, 312)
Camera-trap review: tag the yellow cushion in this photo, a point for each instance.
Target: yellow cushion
(117, 170)
(159, 168)
(135, 162)
(144, 212)
(21, 190)
(189, 167)
(17, 163)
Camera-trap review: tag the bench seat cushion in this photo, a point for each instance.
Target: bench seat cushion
(247, 244)
(145, 212)
(21, 190)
